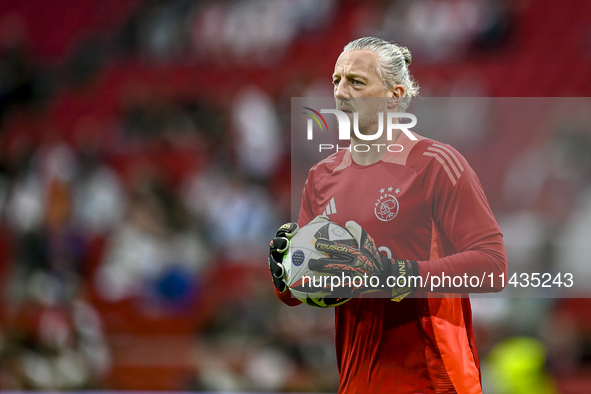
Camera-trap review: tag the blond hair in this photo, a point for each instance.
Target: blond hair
(392, 65)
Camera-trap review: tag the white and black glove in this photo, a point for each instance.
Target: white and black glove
(277, 249)
(365, 260)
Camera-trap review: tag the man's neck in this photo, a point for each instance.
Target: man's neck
(377, 148)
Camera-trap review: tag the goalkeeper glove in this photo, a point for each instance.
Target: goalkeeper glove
(365, 260)
(277, 249)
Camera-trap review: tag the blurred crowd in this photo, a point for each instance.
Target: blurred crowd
(144, 166)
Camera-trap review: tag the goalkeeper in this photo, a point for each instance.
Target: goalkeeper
(417, 212)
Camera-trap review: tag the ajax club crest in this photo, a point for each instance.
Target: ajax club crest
(386, 208)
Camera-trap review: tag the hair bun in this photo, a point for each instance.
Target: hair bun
(407, 55)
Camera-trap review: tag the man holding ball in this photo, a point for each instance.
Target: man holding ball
(419, 212)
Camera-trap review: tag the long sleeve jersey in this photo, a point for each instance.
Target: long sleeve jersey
(424, 203)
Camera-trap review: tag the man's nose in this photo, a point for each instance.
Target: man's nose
(342, 90)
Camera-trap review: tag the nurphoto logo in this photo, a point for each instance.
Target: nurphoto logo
(344, 126)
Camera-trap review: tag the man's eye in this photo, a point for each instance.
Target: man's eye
(356, 82)
(336, 82)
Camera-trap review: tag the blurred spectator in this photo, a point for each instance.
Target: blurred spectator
(238, 216)
(440, 30)
(517, 367)
(99, 200)
(253, 31)
(39, 210)
(152, 254)
(257, 145)
(260, 346)
(65, 349)
(573, 243)
(58, 340)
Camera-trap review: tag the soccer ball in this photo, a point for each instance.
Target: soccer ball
(310, 287)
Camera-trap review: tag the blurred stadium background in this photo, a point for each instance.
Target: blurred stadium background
(144, 166)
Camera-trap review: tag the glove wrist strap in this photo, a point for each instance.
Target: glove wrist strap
(406, 268)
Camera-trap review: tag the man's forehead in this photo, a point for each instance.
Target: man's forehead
(356, 61)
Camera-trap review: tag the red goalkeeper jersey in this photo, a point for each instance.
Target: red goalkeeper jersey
(424, 203)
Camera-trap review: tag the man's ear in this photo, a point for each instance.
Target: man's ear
(395, 95)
